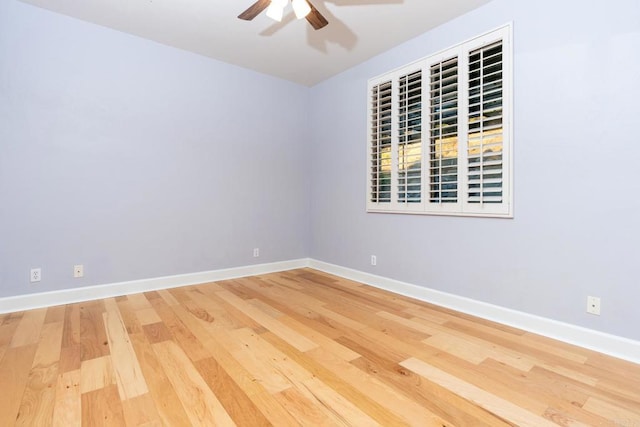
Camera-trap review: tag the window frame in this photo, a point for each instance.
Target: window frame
(462, 207)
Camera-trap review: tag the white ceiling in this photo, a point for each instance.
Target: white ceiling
(292, 50)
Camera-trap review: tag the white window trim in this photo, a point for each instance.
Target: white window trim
(499, 210)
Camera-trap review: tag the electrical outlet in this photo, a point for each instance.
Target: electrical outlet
(78, 271)
(256, 252)
(593, 305)
(374, 260)
(36, 275)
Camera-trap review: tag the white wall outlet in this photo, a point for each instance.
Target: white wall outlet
(374, 260)
(36, 275)
(256, 252)
(593, 305)
(78, 270)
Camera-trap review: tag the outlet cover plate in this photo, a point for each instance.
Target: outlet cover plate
(593, 305)
(78, 270)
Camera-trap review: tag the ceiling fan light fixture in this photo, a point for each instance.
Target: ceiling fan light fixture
(301, 8)
(275, 11)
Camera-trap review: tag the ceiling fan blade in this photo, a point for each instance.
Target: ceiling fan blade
(254, 10)
(315, 18)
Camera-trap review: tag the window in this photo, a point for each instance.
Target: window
(440, 132)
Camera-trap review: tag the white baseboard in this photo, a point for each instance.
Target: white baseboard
(88, 293)
(613, 345)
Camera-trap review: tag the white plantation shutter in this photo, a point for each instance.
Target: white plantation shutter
(380, 147)
(443, 140)
(485, 138)
(409, 158)
(461, 163)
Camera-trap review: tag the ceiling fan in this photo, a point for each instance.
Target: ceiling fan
(275, 10)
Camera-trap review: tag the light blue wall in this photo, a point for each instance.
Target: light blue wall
(139, 160)
(576, 230)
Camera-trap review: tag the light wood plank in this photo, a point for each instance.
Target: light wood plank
(6, 336)
(14, 375)
(96, 374)
(102, 407)
(128, 374)
(301, 408)
(380, 392)
(55, 314)
(233, 398)
(259, 396)
(180, 332)
(71, 331)
(490, 402)
(203, 408)
(141, 411)
(274, 325)
(36, 407)
(147, 316)
(256, 364)
(170, 409)
(71, 352)
(618, 413)
(157, 332)
(67, 406)
(28, 330)
(220, 317)
(320, 405)
(138, 302)
(325, 342)
(93, 339)
(167, 297)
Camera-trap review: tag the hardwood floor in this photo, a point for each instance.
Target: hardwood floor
(296, 348)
